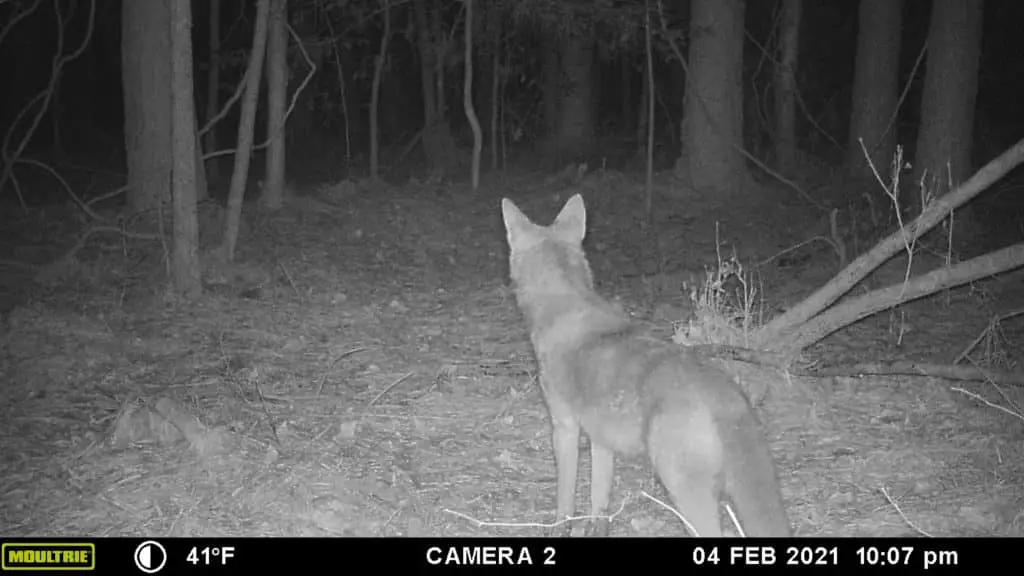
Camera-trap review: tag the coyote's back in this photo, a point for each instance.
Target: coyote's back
(633, 394)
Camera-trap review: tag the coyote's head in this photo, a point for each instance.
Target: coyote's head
(548, 262)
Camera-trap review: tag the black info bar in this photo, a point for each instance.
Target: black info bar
(158, 555)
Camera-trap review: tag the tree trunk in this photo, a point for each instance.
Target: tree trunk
(272, 195)
(496, 74)
(714, 101)
(440, 43)
(146, 77)
(649, 181)
(426, 62)
(213, 90)
(575, 118)
(202, 184)
(551, 72)
(467, 97)
(186, 269)
(375, 94)
(438, 144)
(785, 85)
(947, 106)
(302, 130)
(875, 88)
(641, 118)
(626, 103)
(236, 194)
(487, 49)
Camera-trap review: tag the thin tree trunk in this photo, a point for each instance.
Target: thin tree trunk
(343, 94)
(213, 90)
(649, 181)
(236, 194)
(277, 92)
(202, 183)
(186, 268)
(641, 119)
(467, 96)
(495, 104)
(375, 93)
(441, 52)
(785, 85)
(551, 72)
(626, 104)
(495, 44)
(575, 119)
(426, 62)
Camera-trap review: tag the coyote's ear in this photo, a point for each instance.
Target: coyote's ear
(515, 221)
(571, 223)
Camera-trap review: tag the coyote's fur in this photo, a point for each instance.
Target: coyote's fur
(633, 394)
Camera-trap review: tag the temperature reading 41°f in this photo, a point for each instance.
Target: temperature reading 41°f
(210, 555)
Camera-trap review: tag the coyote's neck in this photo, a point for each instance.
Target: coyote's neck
(559, 313)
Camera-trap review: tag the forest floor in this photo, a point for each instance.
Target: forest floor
(378, 380)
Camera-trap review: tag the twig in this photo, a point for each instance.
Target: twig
(908, 368)
(17, 18)
(799, 245)
(238, 94)
(239, 90)
(487, 523)
(985, 332)
(289, 278)
(671, 509)
(323, 378)
(978, 397)
(67, 187)
(59, 61)
(106, 196)
(837, 239)
(385, 391)
(902, 515)
(739, 354)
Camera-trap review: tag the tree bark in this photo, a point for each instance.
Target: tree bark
(785, 85)
(551, 72)
(626, 112)
(496, 74)
(236, 194)
(440, 43)
(146, 80)
(875, 88)
(186, 268)
(302, 128)
(426, 49)
(714, 100)
(213, 90)
(277, 92)
(467, 97)
(947, 107)
(575, 117)
(202, 184)
(375, 93)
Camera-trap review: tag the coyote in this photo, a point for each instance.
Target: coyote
(633, 394)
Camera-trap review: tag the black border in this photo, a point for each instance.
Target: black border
(542, 555)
